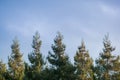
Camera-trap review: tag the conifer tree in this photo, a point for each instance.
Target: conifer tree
(2, 70)
(15, 63)
(116, 69)
(35, 57)
(61, 68)
(48, 74)
(27, 72)
(107, 65)
(83, 64)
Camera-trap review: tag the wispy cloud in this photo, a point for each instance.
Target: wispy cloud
(109, 9)
(89, 20)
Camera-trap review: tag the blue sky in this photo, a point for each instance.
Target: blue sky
(89, 20)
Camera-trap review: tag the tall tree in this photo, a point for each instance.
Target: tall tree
(61, 66)
(15, 63)
(2, 70)
(107, 65)
(35, 57)
(83, 64)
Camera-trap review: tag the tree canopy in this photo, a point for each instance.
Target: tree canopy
(57, 65)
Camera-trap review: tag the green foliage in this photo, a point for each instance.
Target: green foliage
(35, 57)
(27, 72)
(58, 59)
(60, 64)
(83, 64)
(107, 66)
(15, 63)
(2, 70)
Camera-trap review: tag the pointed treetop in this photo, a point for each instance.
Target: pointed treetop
(82, 43)
(107, 44)
(58, 39)
(36, 41)
(15, 43)
(106, 39)
(82, 47)
(59, 36)
(37, 35)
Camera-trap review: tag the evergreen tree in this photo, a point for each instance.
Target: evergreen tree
(83, 64)
(2, 70)
(27, 72)
(48, 74)
(35, 57)
(116, 69)
(108, 65)
(15, 63)
(61, 68)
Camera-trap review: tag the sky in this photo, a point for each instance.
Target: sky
(77, 20)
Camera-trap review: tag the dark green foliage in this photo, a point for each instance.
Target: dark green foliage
(107, 66)
(35, 58)
(48, 74)
(27, 72)
(83, 64)
(61, 66)
(15, 63)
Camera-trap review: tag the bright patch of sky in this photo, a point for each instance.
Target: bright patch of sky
(75, 19)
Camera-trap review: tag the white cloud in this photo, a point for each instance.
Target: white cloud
(109, 10)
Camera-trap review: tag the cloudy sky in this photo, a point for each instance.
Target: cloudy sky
(89, 20)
